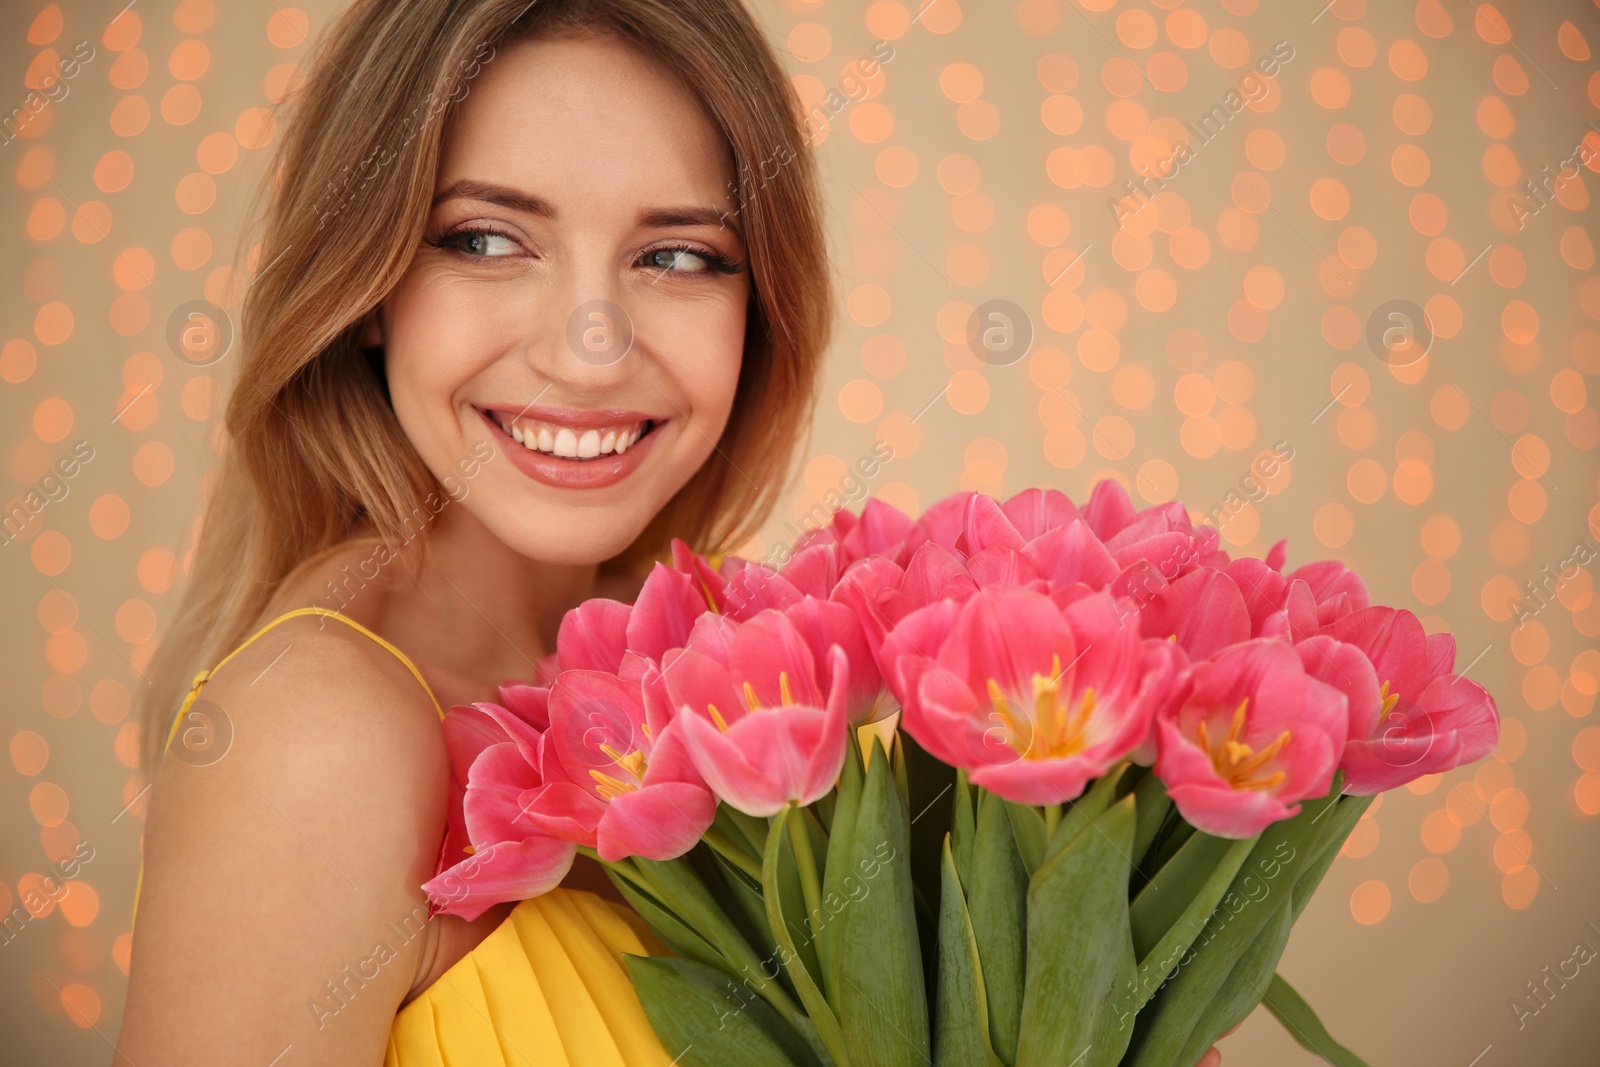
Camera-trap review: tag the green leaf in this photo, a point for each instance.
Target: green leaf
(902, 777)
(1081, 812)
(677, 935)
(1080, 948)
(773, 888)
(743, 904)
(823, 809)
(963, 826)
(836, 885)
(1171, 894)
(1303, 1025)
(728, 823)
(882, 1004)
(1027, 825)
(709, 1021)
(1244, 987)
(1151, 803)
(931, 783)
(1265, 880)
(679, 889)
(961, 1027)
(1173, 835)
(754, 829)
(1160, 959)
(1339, 823)
(997, 905)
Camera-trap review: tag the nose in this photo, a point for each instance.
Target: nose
(584, 341)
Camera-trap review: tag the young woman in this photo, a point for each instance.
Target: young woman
(533, 297)
(542, 286)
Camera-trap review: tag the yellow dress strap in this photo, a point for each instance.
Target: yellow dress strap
(205, 676)
(329, 613)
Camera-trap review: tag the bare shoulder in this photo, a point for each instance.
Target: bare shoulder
(283, 861)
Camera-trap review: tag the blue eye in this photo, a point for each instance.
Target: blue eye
(476, 244)
(677, 259)
(682, 259)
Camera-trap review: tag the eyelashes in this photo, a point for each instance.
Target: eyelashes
(714, 261)
(457, 241)
(451, 240)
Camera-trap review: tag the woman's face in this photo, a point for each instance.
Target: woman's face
(578, 301)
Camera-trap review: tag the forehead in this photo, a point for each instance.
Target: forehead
(585, 120)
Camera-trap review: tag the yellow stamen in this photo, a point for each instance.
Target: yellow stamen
(1051, 731)
(716, 717)
(785, 696)
(633, 762)
(611, 788)
(1002, 710)
(1235, 762)
(705, 591)
(1389, 700)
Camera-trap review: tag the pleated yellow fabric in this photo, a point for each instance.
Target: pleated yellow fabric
(547, 988)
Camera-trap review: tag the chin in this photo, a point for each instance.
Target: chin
(574, 540)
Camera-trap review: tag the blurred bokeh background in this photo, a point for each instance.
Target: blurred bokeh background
(1376, 264)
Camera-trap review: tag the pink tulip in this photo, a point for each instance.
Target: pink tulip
(595, 634)
(943, 523)
(1204, 611)
(1032, 698)
(511, 857)
(775, 746)
(1071, 554)
(1425, 718)
(627, 787)
(520, 717)
(1337, 589)
(1161, 535)
(1253, 734)
(880, 530)
(1035, 512)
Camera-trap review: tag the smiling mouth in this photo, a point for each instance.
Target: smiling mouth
(578, 444)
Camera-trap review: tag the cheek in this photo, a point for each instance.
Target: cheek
(434, 343)
(700, 351)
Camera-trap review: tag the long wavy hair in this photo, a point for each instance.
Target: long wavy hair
(314, 454)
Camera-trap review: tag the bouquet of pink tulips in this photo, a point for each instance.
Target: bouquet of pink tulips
(1121, 764)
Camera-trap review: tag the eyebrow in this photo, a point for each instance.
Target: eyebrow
(517, 200)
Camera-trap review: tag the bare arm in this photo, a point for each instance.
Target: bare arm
(281, 906)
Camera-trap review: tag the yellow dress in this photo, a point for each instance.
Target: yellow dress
(547, 988)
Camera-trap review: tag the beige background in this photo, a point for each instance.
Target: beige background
(1228, 317)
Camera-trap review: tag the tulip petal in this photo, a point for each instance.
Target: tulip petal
(662, 616)
(593, 635)
(505, 871)
(659, 823)
(1035, 511)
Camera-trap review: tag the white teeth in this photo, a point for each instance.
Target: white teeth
(570, 443)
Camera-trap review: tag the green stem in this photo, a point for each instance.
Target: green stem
(731, 852)
(810, 887)
(1052, 819)
(697, 911)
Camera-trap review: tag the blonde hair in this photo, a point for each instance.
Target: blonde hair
(314, 453)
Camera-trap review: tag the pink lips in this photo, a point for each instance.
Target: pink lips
(577, 418)
(562, 473)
